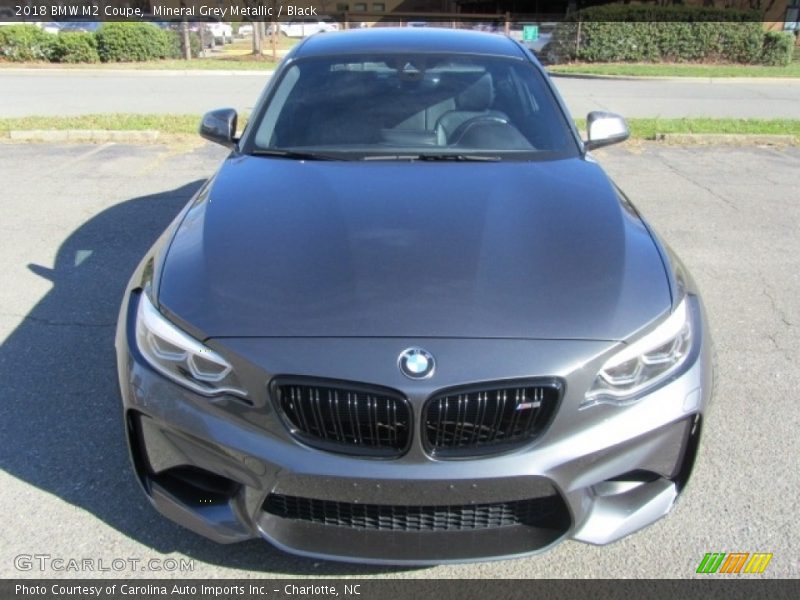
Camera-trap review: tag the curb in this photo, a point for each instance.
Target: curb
(153, 135)
(726, 139)
(677, 79)
(591, 76)
(142, 72)
(83, 135)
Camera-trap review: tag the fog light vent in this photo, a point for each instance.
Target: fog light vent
(196, 486)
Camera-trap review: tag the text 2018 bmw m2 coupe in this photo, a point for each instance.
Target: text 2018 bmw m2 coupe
(411, 320)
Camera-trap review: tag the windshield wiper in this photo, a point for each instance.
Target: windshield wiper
(295, 155)
(460, 157)
(435, 157)
(300, 155)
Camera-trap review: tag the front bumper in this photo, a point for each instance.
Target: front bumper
(598, 473)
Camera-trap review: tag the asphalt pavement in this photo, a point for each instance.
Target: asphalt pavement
(77, 218)
(83, 91)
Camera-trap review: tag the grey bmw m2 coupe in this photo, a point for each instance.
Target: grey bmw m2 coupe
(410, 320)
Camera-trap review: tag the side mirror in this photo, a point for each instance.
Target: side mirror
(604, 129)
(219, 126)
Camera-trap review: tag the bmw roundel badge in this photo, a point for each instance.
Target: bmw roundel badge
(416, 363)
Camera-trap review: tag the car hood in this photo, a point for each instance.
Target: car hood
(547, 250)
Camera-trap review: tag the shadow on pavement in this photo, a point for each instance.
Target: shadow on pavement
(60, 416)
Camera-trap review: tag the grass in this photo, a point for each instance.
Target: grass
(648, 129)
(222, 63)
(643, 129)
(245, 46)
(677, 70)
(169, 124)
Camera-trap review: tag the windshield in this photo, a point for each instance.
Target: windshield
(453, 107)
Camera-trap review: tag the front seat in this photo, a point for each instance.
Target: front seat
(473, 102)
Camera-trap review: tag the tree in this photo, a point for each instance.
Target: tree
(257, 28)
(185, 42)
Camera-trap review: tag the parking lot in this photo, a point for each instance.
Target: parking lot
(77, 218)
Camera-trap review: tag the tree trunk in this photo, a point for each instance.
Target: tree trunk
(257, 37)
(187, 45)
(273, 40)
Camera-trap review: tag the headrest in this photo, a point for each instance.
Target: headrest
(478, 96)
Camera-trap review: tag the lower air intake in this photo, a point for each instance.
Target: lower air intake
(536, 512)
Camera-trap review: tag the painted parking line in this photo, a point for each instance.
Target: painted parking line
(82, 157)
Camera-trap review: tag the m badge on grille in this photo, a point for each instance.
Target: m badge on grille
(416, 363)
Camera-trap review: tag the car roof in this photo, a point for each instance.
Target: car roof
(408, 39)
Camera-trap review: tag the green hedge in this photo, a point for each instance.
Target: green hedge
(133, 42)
(778, 48)
(650, 13)
(21, 43)
(638, 33)
(75, 47)
(113, 42)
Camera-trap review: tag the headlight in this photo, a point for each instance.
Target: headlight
(646, 362)
(181, 357)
